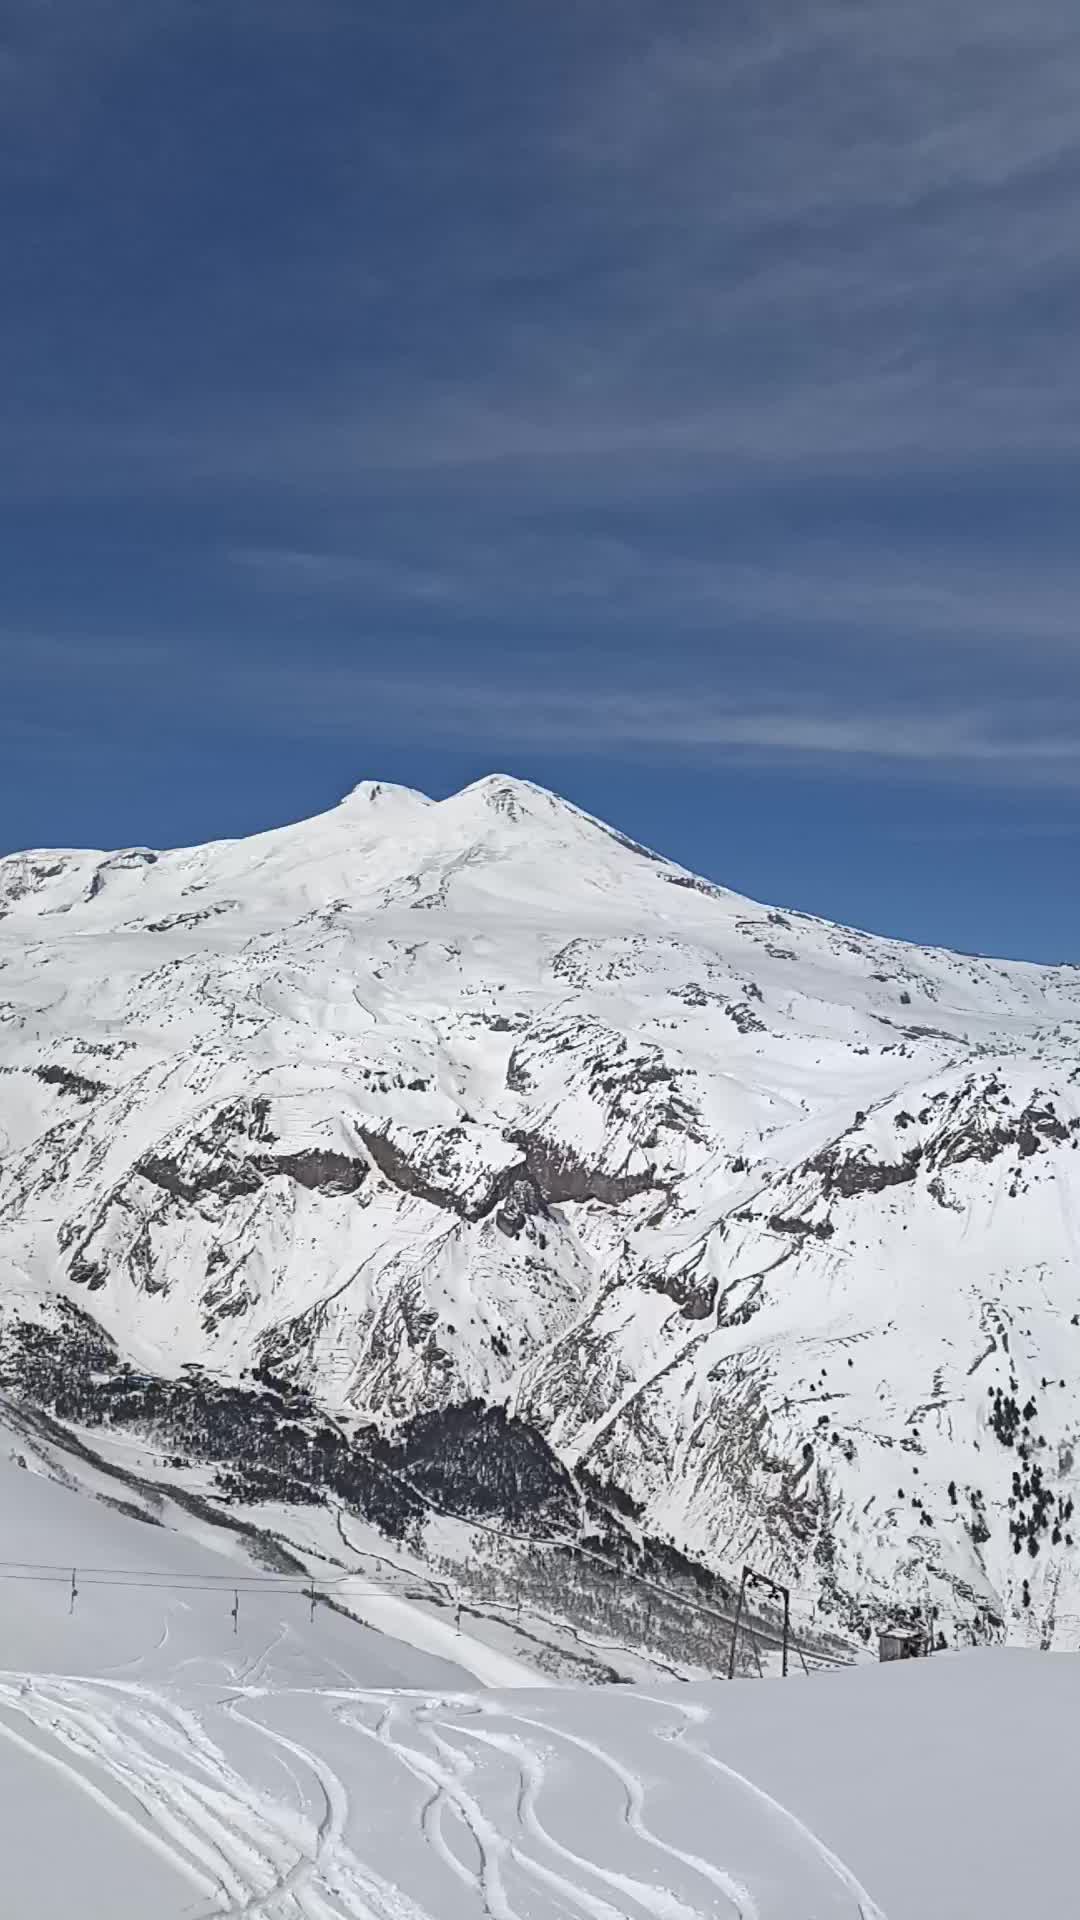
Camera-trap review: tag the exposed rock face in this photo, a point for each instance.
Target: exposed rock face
(558, 1176)
(765, 1226)
(521, 1202)
(696, 1297)
(77, 1084)
(861, 1174)
(318, 1169)
(229, 1181)
(432, 1170)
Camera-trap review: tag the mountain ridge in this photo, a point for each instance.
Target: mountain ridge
(762, 1219)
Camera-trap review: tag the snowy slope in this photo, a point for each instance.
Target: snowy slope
(767, 1223)
(156, 1592)
(154, 1760)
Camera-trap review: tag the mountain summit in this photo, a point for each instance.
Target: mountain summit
(768, 1225)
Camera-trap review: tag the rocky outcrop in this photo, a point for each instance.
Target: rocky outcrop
(546, 1175)
(801, 1228)
(846, 1175)
(693, 1293)
(560, 1177)
(436, 1179)
(318, 1169)
(520, 1202)
(65, 1080)
(228, 1180)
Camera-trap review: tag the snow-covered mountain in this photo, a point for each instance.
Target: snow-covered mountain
(768, 1225)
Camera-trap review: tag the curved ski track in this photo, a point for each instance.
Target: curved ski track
(521, 1816)
(151, 1764)
(489, 1767)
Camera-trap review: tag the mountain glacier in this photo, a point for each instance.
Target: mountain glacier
(767, 1225)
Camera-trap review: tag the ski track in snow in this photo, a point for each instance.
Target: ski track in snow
(666, 1906)
(529, 1845)
(249, 1673)
(522, 1817)
(866, 1908)
(247, 1853)
(147, 1834)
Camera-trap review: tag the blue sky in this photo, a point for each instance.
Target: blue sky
(675, 404)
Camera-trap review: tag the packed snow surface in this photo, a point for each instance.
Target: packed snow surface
(768, 1223)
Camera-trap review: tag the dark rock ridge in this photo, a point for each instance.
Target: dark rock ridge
(694, 885)
(800, 1227)
(694, 1295)
(127, 862)
(548, 1174)
(973, 1126)
(980, 1125)
(315, 1168)
(227, 1178)
(559, 1176)
(318, 1169)
(847, 1175)
(521, 1201)
(67, 1081)
(424, 1183)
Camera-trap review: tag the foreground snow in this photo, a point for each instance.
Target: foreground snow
(933, 1793)
(159, 1757)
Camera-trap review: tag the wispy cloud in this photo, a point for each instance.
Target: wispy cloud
(792, 238)
(627, 709)
(990, 833)
(361, 576)
(875, 593)
(34, 656)
(1035, 744)
(522, 359)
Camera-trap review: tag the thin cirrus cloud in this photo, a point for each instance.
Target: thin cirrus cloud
(1038, 745)
(1034, 745)
(840, 234)
(572, 709)
(863, 590)
(815, 235)
(582, 345)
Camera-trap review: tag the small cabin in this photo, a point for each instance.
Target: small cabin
(902, 1643)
